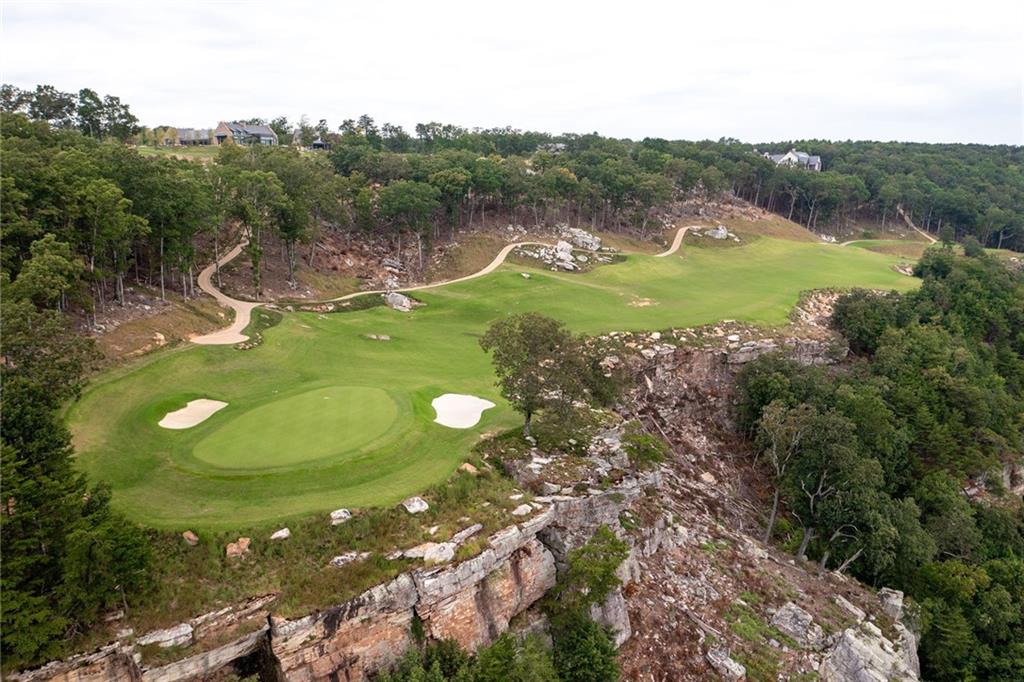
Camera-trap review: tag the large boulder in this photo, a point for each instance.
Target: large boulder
(397, 301)
(720, 232)
(415, 505)
(237, 548)
(582, 238)
(339, 516)
(793, 621)
(863, 654)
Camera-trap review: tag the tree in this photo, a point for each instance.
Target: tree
(48, 276)
(780, 434)
(538, 363)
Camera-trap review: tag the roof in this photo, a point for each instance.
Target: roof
(246, 129)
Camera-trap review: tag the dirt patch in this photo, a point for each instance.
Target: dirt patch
(642, 302)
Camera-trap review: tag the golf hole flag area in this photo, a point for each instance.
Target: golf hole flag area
(318, 418)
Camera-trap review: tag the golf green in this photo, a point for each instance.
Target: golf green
(302, 428)
(280, 449)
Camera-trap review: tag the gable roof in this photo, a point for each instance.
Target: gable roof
(245, 129)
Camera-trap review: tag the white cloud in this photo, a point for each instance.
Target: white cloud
(932, 71)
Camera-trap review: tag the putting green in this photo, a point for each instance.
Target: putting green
(279, 450)
(302, 428)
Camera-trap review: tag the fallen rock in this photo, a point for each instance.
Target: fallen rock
(581, 238)
(793, 621)
(397, 301)
(415, 505)
(724, 665)
(854, 611)
(467, 533)
(339, 516)
(719, 232)
(378, 337)
(469, 468)
(282, 534)
(238, 548)
(522, 510)
(432, 552)
(191, 538)
(347, 558)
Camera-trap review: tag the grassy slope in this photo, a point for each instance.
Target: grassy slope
(158, 480)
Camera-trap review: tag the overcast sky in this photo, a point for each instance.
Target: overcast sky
(756, 70)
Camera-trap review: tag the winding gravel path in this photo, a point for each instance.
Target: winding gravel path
(243, 309)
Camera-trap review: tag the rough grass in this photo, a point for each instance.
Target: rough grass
(774, 226)
(157, 479)
(178, 322)
(911, 250)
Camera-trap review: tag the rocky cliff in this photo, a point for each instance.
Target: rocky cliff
(700, 597)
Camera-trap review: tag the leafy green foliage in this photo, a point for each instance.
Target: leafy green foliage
(876, 456)
(507, 659)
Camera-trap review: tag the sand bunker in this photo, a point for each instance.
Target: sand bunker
(459, 411)
(196, 412)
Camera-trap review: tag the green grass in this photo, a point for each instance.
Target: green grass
(301, 429)
(271, 456)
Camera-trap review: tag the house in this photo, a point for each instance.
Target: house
(320, 144)
(193, 136)
(795, 158)
(243, 133)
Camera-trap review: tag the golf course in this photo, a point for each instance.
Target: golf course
(321, 416)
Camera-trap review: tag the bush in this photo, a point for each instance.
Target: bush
(644, 450)
(583, 650)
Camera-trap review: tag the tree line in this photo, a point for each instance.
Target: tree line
(869, 463)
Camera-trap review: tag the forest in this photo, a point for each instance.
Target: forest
(870, 461)
(73, 169)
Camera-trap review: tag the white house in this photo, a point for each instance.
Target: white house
(795, 158)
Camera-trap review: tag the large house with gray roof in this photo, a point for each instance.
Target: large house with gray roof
(795, 158)
(243, 133)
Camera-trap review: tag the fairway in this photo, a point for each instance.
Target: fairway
(303, 428)
(320, 417)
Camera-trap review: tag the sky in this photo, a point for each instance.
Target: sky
(758, 71)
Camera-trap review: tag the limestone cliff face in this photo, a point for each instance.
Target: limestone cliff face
(471, 602)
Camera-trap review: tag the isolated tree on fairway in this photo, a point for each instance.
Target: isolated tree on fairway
(538, 363)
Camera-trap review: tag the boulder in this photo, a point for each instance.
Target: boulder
(724, 665)
(191, 538)
(582, 238)
(238, 548)
(415, 505)
(854, 611)
(397, 301)
(339, 516)
(522, 510)
(719, 232)
(467, 533)
(469, 468)
(347, 558)
(432, 552)
(282, 534)
(892, 602)
(863, 654)
(793, 621)
(563, 251)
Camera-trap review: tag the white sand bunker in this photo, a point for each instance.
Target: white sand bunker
(196, 412)
(459, 411)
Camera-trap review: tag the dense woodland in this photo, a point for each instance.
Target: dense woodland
(868, 464)
(71, 169)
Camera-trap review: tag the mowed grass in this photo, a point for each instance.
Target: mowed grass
(274, 453)
(302, 428)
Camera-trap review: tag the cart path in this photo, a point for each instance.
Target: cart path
(243, 309)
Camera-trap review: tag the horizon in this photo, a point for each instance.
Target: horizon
(948, 76)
